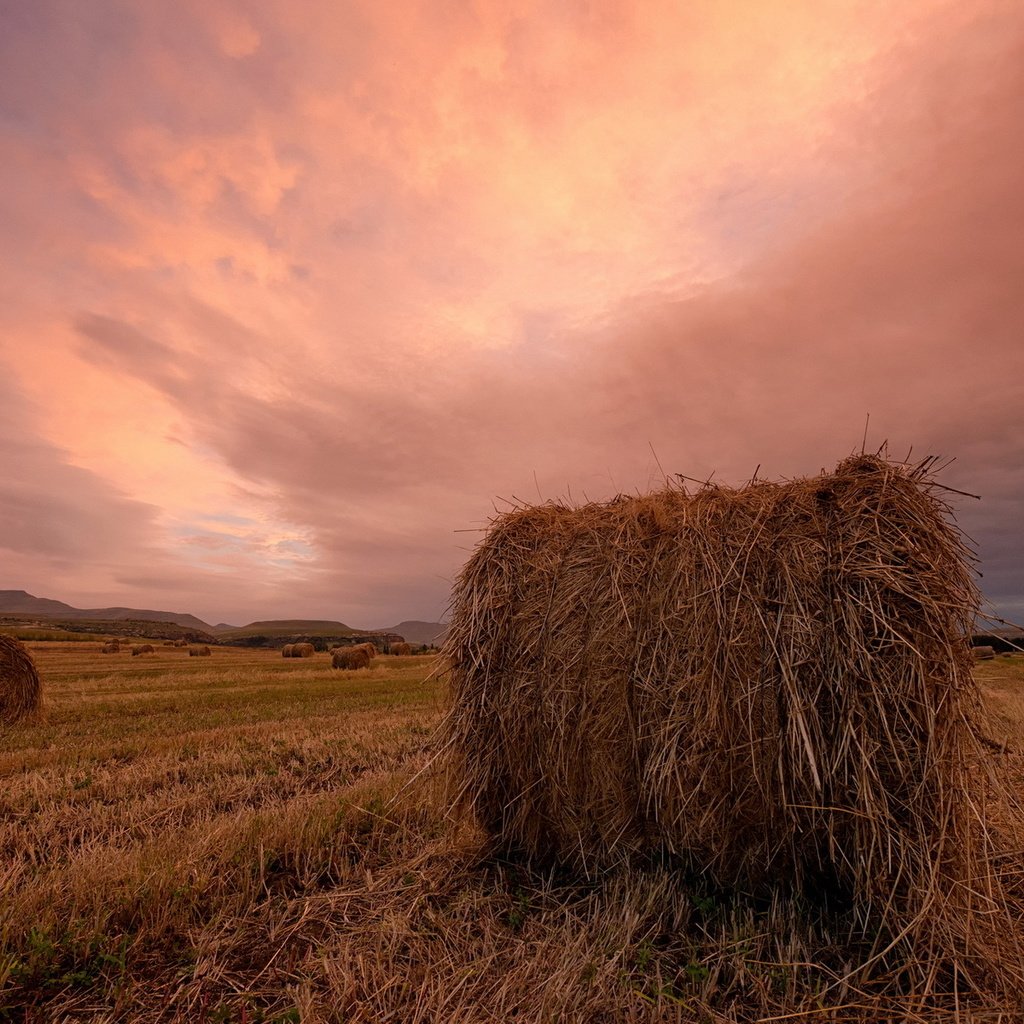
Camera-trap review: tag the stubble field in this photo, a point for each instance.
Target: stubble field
(247, 838)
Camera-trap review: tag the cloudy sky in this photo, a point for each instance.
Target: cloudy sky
(294, 293)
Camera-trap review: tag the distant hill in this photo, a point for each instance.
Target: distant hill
(417, 632)
(287, 627)
(19, 602)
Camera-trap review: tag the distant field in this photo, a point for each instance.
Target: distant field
(249, 838)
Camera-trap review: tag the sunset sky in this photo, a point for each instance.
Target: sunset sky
(294, 293)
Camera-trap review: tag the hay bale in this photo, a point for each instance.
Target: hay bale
(20, 688)
(983, 653)
(772, 683)
(303, 650)
(143, 649)
(113, 647)
(199, 652)
(401, 648)
(288, 651)
(180, 642)
(350, 657)
(371, 649)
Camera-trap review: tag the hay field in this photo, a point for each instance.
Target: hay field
(246, 838)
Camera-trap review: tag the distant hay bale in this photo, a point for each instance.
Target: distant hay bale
(350, 657)
(983, 653)
(168, 643)
(20, 689)
(199, 652)
(288, 651)
(401, 648)
(303, 650)
(772, 683)
(143, 649)
(180, 642)
(113, 647)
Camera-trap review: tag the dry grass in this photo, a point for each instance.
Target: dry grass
(249, 839)
(769, 685)
(20, 689)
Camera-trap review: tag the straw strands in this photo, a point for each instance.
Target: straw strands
(20, 689)
(772, 684)
(351, 657)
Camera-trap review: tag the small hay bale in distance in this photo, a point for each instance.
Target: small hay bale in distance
(143, 649)
(113, 647)
(288, 651)
(351, 657)
(20, 688)
(772, 682)
(983, 653)
(401, 648)
(180, 643)
(303, 650)
(199, 652)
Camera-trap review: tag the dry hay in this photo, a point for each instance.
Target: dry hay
(983, 653)
(20, 689)
(199, 652)
(401, 648)
(351, 657)
(288, 651)
(143, 649)
(303, 650)
(113, 647)
(772, 684)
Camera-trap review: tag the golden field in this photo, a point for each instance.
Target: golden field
(246, 838)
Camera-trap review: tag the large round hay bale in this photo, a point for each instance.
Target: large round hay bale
(143, 649)
(371, 649)
(113, 647)
(772, 683)
(983, 653)
(288, 651)
(20, 689)
(199, 652)
(401, 648)
(181, 642)
(303, 650)
(350, 657)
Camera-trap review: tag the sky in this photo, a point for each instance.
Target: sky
(297, 295)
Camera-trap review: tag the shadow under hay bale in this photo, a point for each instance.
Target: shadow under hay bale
(20, 689)
(351, 657)
(772, 683)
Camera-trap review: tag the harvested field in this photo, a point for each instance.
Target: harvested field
(247, 838)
